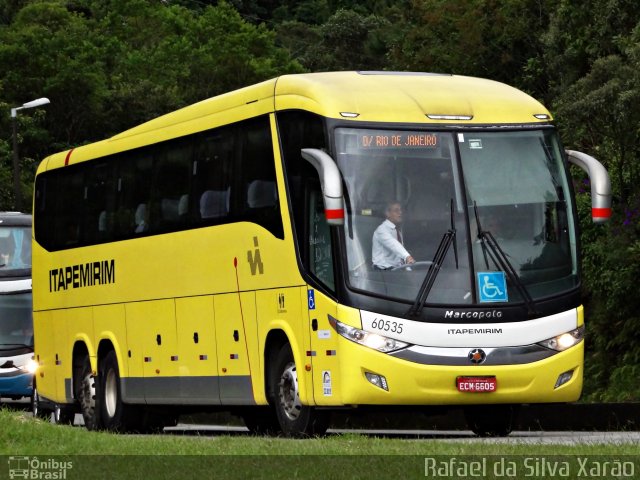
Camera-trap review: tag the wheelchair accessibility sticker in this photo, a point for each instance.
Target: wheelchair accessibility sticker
(492, 287)
(311, 299)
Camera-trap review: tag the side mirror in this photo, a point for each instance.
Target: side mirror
(600, 184)
(331, 183)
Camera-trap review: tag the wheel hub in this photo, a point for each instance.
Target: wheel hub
(288, 392)
(88, 400)
(111, 393)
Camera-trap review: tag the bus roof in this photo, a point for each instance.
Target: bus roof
(408, 97)
(402, 97)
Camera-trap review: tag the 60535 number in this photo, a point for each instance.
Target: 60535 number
(387, 325)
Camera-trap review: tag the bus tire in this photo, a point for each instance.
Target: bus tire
(36, 406)
(116, 416)
(63, 415)
(261, 420)
(296, 420)
(491, 420)
(152, 419)
(86, 386)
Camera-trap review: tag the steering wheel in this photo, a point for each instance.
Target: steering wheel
(422, 265)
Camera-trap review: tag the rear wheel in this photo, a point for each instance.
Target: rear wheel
(116, 415)
(296, 420)
(63, 415)
(491, 420)
(85, 388)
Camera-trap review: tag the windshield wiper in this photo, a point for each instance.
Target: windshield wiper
(500, 259)
(448, 239)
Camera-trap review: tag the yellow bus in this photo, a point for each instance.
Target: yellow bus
(230, 255)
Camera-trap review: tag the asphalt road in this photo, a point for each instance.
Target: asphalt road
(465, 436)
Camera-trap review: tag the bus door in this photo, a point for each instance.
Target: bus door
(324, 341)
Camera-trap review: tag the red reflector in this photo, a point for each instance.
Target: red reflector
(601, 212)
(477, 384)
(333, 214)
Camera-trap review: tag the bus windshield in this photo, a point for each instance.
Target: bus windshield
(16, 326)
(511, 185)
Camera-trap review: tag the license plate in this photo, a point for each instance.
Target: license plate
(476, 384)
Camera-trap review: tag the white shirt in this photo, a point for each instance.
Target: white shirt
(386, 250)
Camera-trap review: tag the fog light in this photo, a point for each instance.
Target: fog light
(377, 380)
(564, 378)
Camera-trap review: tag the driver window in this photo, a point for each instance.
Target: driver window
(320, 252)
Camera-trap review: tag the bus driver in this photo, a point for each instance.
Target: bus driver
(387, 250)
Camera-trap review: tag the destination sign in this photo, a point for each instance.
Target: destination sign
(398, 140)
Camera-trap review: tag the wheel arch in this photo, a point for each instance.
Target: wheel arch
(274, 341)
(105, 346)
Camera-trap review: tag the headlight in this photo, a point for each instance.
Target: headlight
(368, 339)
(31, 366)
(565, 340)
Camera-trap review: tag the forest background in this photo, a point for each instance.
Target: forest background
(108, 65)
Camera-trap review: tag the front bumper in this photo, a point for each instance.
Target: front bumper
(412, 383)
(19, 385)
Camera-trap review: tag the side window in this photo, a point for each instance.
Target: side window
(319, 240)
(170, 186)
(99, 203)
(217, 176)
(212, 176)
(43, 219)
(68, 208)
(134, 194)
(258, 201)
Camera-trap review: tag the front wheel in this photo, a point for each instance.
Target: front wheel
(295, 419)
(261, 420)
(491, 420)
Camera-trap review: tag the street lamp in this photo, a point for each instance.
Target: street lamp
(16, 163)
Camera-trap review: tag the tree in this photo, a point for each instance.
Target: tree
(44, 52)
(482, 38)
(600, 114)
(108, 66)
(348, 41)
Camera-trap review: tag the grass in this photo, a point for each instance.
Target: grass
(244, 456)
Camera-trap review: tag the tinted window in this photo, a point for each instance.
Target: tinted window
(221, 175)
